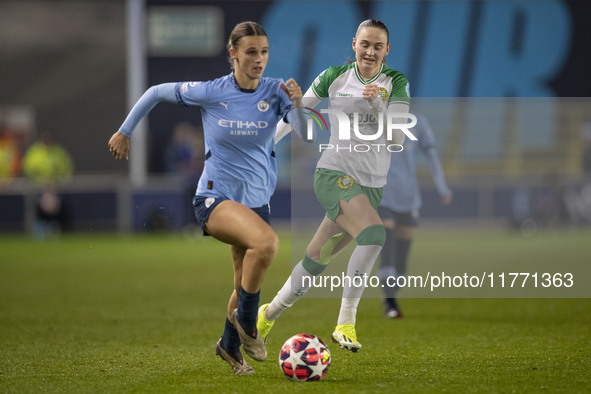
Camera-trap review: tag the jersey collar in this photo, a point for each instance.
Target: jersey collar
(366, 81)
(233, 79)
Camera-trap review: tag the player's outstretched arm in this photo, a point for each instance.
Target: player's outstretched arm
(119, 142)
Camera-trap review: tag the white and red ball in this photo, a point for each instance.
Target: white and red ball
(304, 357)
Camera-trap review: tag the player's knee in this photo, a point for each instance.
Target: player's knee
(312, 266)
(313, 253)
(267, 247)
(404, 232)
(389, 224)
(372, 235)
(313, 250)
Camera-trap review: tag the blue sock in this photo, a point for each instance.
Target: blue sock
(230, 339)
(248, 305)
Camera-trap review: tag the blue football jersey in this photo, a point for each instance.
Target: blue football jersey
(239, 129)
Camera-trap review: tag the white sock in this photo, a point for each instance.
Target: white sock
(360, 264)
(292, 290)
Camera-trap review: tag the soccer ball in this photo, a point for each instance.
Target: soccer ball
(304, 357)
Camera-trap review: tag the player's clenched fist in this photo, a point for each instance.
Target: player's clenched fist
(371, 91)
(293, 91)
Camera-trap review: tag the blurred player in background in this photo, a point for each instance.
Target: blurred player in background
(239, 112)
(400, 206)
(347, 183)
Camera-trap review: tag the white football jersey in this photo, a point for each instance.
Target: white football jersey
(363, 155)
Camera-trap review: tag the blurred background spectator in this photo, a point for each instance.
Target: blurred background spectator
(10, 155)
(47, 164)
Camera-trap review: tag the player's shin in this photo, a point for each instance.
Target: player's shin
(295, 287)
(369, 246)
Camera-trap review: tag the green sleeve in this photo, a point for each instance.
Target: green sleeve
(400, 88)
(321, 84)
(323, 81)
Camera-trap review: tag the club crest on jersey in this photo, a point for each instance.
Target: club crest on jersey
(263, 106)
(345, 182)
(383, 94)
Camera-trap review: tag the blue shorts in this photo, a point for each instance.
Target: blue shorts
(410, 219)
(204, 206)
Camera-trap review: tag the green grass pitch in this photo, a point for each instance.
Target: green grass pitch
(106, 313)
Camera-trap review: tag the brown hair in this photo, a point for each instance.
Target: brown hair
(374, 23)
(243, 29)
